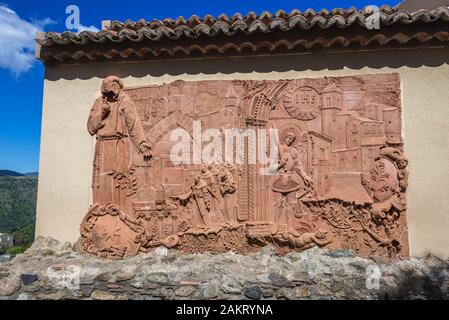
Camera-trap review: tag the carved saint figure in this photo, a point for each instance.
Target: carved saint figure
(291, 175)
(114, 121)
(291, 182)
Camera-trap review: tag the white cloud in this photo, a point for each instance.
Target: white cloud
(82, 28)
(17, 40)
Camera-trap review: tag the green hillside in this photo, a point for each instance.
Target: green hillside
(18, 207)
(10, 173)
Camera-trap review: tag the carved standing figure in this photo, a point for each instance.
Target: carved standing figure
(114, 121)
(291, 179)
(202, 195)
(290, 166)
(228, 187)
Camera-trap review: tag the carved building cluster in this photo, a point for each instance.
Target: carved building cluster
(340, 180)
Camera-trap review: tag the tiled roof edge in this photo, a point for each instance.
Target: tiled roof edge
(253, 33)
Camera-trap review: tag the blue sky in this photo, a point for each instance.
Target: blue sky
(21, 77)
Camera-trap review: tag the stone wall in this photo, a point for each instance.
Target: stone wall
(50, 270)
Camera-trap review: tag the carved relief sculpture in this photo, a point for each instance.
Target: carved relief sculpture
(336, 175)
(116, 125)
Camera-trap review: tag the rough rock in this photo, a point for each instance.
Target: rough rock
(279, 281)
(185, 291)
(86, 291)
(253, 293)
(51, 296)
(28, 279)
(124, 276)
(137, 284)
(167, 274)
(303, 292)
(103, 277)
(230, 286)
(209, 290)
(43, 246)
(286, 294)
(341, 254)
(102, 295)
(158, 277)
(47, 252)
(9, 286)
(269, 293)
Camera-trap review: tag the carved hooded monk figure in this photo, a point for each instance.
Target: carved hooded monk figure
(114, 121)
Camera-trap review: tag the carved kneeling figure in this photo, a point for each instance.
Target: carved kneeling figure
(306, 240)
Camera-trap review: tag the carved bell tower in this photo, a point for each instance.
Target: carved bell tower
(232, 99)
(332, 104)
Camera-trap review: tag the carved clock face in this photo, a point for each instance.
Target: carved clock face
(302, 103)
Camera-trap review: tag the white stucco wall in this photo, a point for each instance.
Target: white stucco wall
(67, 149)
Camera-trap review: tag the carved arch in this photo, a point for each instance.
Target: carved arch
(171, 122)
(263, 102)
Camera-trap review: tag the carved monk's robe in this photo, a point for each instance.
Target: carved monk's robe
(113, 150)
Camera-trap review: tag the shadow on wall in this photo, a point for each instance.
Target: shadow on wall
(416, 284)
(413, 58)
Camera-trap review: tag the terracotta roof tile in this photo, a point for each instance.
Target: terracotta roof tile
(251, 33)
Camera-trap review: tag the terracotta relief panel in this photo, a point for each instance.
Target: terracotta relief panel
(217, 166)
